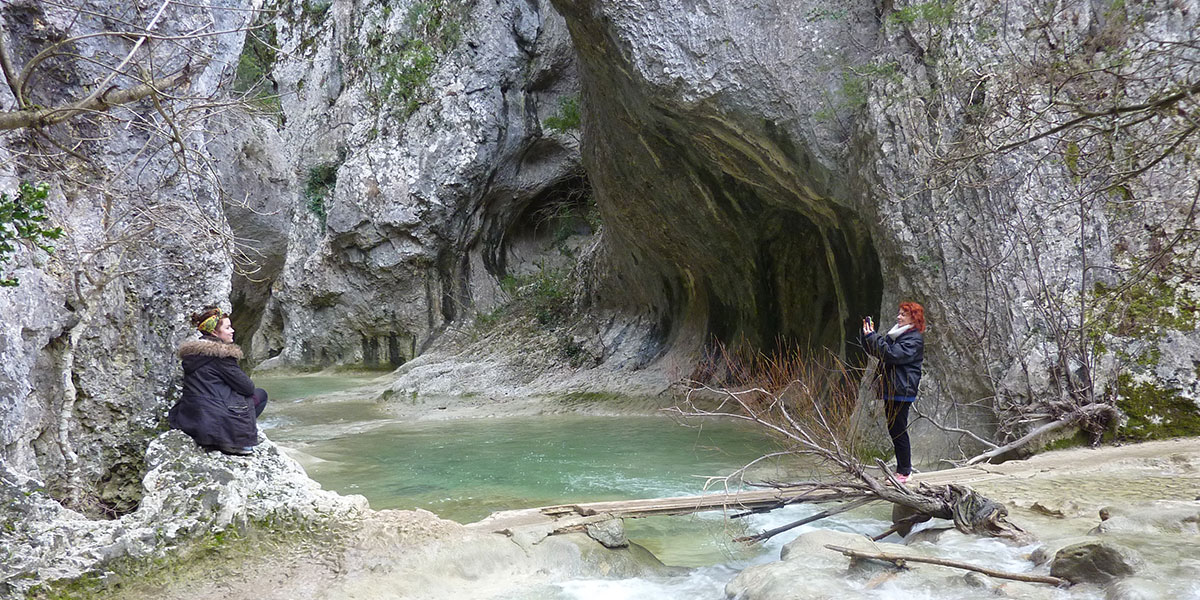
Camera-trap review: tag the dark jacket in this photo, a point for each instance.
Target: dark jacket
(900, 362)
(217, 408)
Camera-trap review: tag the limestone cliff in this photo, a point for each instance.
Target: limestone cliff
(422, 172)
(762, 173)
(87, 342)
(799, 164)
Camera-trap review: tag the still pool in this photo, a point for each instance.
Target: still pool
(464, 469)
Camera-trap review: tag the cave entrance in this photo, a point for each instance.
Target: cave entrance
(550, 229)
(815, 284)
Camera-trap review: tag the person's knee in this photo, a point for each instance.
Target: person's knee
(260, 401)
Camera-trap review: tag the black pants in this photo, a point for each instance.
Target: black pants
(260, 401)
(897, 422)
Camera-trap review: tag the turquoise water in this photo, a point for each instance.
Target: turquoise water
(467, 468)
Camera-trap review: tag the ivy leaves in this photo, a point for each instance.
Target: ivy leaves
(23, 220)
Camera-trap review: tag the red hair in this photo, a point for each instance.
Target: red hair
(916, 312)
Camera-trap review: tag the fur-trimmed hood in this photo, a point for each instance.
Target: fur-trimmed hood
(204, 347)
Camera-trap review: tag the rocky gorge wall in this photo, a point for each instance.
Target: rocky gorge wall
(802, 164)
(421, 172)
(87, 364)
(669, 173)
(765, 175)
(647, 176)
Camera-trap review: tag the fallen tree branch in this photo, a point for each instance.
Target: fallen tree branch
(947, 428)
(817, 517)
(1081, 414)
(908, 522)
(899, 561)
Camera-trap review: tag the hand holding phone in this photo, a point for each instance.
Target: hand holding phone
(868, 325)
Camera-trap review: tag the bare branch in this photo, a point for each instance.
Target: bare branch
(770, 533)
(900, 559)
(44, 117)
(10, 74)
(966, 432)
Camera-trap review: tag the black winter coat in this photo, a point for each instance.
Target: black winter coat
(217, 408)
(900, 361)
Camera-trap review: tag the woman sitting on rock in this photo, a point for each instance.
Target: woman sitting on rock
(220, 405)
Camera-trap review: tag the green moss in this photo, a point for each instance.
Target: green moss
(933, 13)
(319, 183)
(856, 82)
(1078, 440)
(253, 74)
(315, 10)
(1155, 412)
(302, 19)
(398, 69)
(1142, 309)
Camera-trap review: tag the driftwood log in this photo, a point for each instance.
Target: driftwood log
(900, 559)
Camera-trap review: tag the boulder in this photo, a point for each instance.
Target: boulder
(1094, 562)
(188, 494)
(1159, 516)
(610, 533)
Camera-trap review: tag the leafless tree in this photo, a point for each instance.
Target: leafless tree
(1068, 140)
(807, 404)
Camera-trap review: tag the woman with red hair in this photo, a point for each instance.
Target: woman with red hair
(900, 352)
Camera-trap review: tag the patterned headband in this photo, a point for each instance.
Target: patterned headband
(209, 325)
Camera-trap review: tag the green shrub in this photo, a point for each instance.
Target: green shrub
(253, 74)
(22, 219)
(544, 296)
(568, 117)
(403, 67)
(318, 185)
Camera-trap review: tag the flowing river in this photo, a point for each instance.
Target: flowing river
(464, 469)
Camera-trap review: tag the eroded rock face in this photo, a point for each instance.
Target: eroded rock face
(418, 187)
(188, 493)
(87, 365)
(726, 211)
(783, 157)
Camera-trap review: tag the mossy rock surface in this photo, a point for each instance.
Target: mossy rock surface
(1155, 412)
